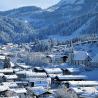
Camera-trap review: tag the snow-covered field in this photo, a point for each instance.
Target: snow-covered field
(92, 75)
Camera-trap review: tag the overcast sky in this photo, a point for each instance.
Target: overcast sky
(10, 4)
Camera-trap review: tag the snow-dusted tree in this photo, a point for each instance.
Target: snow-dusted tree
(7, 63)
(61, 93)
(32, 58)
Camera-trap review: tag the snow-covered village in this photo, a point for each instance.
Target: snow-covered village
(48, 49)
(63, 71)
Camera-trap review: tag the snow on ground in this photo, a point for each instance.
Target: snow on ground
(92, 75)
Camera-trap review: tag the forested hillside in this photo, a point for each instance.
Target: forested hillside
(29, 23)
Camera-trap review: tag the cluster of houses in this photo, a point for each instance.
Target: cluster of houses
(22, 81)
(73, 57)
(18, 80)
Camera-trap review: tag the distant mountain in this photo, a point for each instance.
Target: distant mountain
(68, 17)
(31, 14)
(75, 7)
(75, 15)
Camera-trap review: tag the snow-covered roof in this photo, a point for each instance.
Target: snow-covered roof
(21, 82)
(1, 74)
(10, 84)
(56, 56)
(38, 90)
(17, 69)
(12, 64)
(83, 83)
(11, 97)
(41, 83)
(72, 70)
(52, 75)
(77, 90)
(32, 79)
(6, 70)
(7, 53)
(21, 72)
(80, 55)
(32, 74)
(38, 68)
(11, 76)
(36, 74)
(23, 65)
(2, 57)
(53, 70)
(86, 92)
(3, 88)
(19, 90)
(51, 55)
(71, 77)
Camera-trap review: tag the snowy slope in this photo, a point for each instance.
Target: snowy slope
(69, 18)
(91, 74)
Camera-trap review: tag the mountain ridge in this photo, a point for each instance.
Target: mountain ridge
(66, 19)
